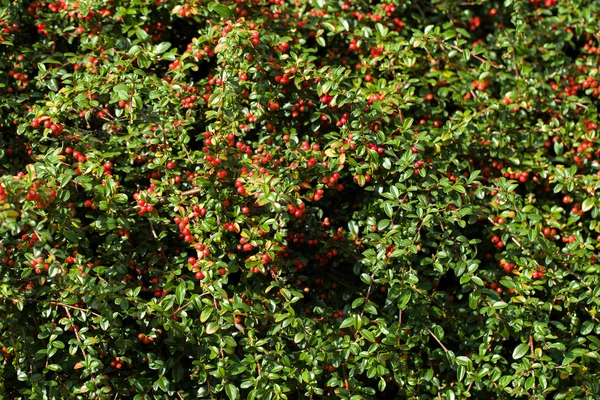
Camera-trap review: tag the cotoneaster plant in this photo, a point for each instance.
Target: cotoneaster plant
(299, 200)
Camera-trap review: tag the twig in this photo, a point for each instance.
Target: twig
(152, 229)
(436, 338)
(77, 336)
(399, 319)
(577, 103)
(182, 307)
(191, 191)
(531, 345)
(368, 294)
(475, 56)
(54, 303)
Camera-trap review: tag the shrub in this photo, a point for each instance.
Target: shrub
(270, 199)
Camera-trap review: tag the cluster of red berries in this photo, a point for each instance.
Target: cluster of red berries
(297, 211)
(213, 161)
(591, 126)
(474, 23)
(188, 102)
(418, 164)
(145, 339)
(549, 233)
(568, 239)
(255, 38)
(590, 82)
(318, 195)
(230, 227)
(20, 78)
(32, 9)
(244, 245)
(124, 232)
(300, 107)
(244, 148)
(480, 85)
(372, 99)
(175, 64)
(547, 3)
(497, 242)
(46, 122)
(307, 146)
(184, 231)
(571, 89)
(539, 274)
(239, 185)
(144, 207)
(155, 29)
(5, 353)
(376, 148)
(194, 263)
(331, 181)
(282, 79)
(90, 65)
(520, 176)
(326, 99)
(117, 363)
(342, 121)
(366, 176)
(198, 211)
(507, 267)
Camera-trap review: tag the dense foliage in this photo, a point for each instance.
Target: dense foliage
(299, 199)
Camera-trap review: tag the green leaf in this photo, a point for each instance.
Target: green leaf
(587, 204)
(162, 384)
(353, 227)
(587, 327)
(298, 337)
(212, 327)
(72, 236)
(347, 322)
(232, 392)
(134, 50)
(520, 351)
(357, 302)
(221, 9)
(162, 47)
(206, 313)
(53, 85)
(180, 293)
(462, 360)
(90, 341)
(367, 334)
(387, 207)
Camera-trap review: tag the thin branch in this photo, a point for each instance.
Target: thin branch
(575, 102)
(436, 338)
(367, 296)
(152, 229)
(190, 192)
(77, 335)
(475, 56)
(54, 303)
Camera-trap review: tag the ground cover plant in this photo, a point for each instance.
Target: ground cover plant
(275, 199)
